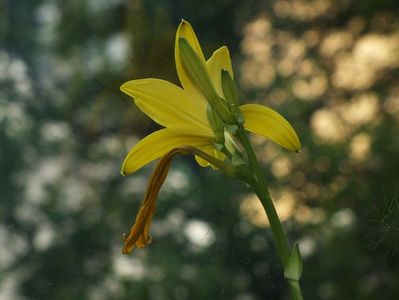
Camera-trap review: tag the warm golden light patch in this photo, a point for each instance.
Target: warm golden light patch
(302, 10)
(327, 126)
(251, 208)
(360, 110)
(335, 42)
(281, 167)
(372, 54)
(359, 149)
(257, 69)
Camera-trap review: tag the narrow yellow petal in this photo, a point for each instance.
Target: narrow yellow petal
(220, 60)
(164, 102)
(162, 141)
(270, 124)
(186, 31)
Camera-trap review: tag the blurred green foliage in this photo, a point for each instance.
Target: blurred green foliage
(330, 67)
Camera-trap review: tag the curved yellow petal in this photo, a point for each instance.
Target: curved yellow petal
(270, 124)
(209, 149)
(165, 103)
(186, 31)
(220, 60)
(162, 141)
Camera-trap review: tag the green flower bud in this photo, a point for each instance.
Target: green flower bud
(199, 74)
(230, 93)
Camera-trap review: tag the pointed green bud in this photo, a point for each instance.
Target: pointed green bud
(217, 125)
(230, 93)
(293, 269)
(199, 75)
(229, 89)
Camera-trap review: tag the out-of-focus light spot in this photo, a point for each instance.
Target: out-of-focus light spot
(303, 10)
(110, 145)
(253, 211)
(307, 215)
(172, 223)
(44, 236)
(359, 149)
(199, 233)
(327, 126)
(128, 267)
(176, 182)
(48, 13)
(55, 131)
(277, 96)
(360, 110)
(9, 289)
(117, 49)
(268, 151)
(310, 89)
(46, 172)
(12, 246)
(335, 42)
(312, 37)
(281, 167)
(371, 55)
(343, 218)
(257, 75)
(307, 246)
(257, 69)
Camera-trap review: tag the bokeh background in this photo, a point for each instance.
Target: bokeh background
(331, 67)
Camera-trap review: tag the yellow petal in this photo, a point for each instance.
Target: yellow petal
(186, 31)
(270, 124)
(164, 102)
(162, 141)
(220, 60)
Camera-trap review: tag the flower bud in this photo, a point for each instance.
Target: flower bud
(230, 93)
(199, 75)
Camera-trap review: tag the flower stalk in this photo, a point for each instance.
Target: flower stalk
(258, 183)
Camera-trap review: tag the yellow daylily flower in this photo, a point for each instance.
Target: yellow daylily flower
(183, 111)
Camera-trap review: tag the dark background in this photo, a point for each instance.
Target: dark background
(330, 67)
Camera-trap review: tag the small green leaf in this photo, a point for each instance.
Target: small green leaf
(293, 269)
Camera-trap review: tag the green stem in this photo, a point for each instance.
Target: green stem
(259, 185)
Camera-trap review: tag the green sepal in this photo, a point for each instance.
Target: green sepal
(232, 129)
(237, 159)
(293, 269)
